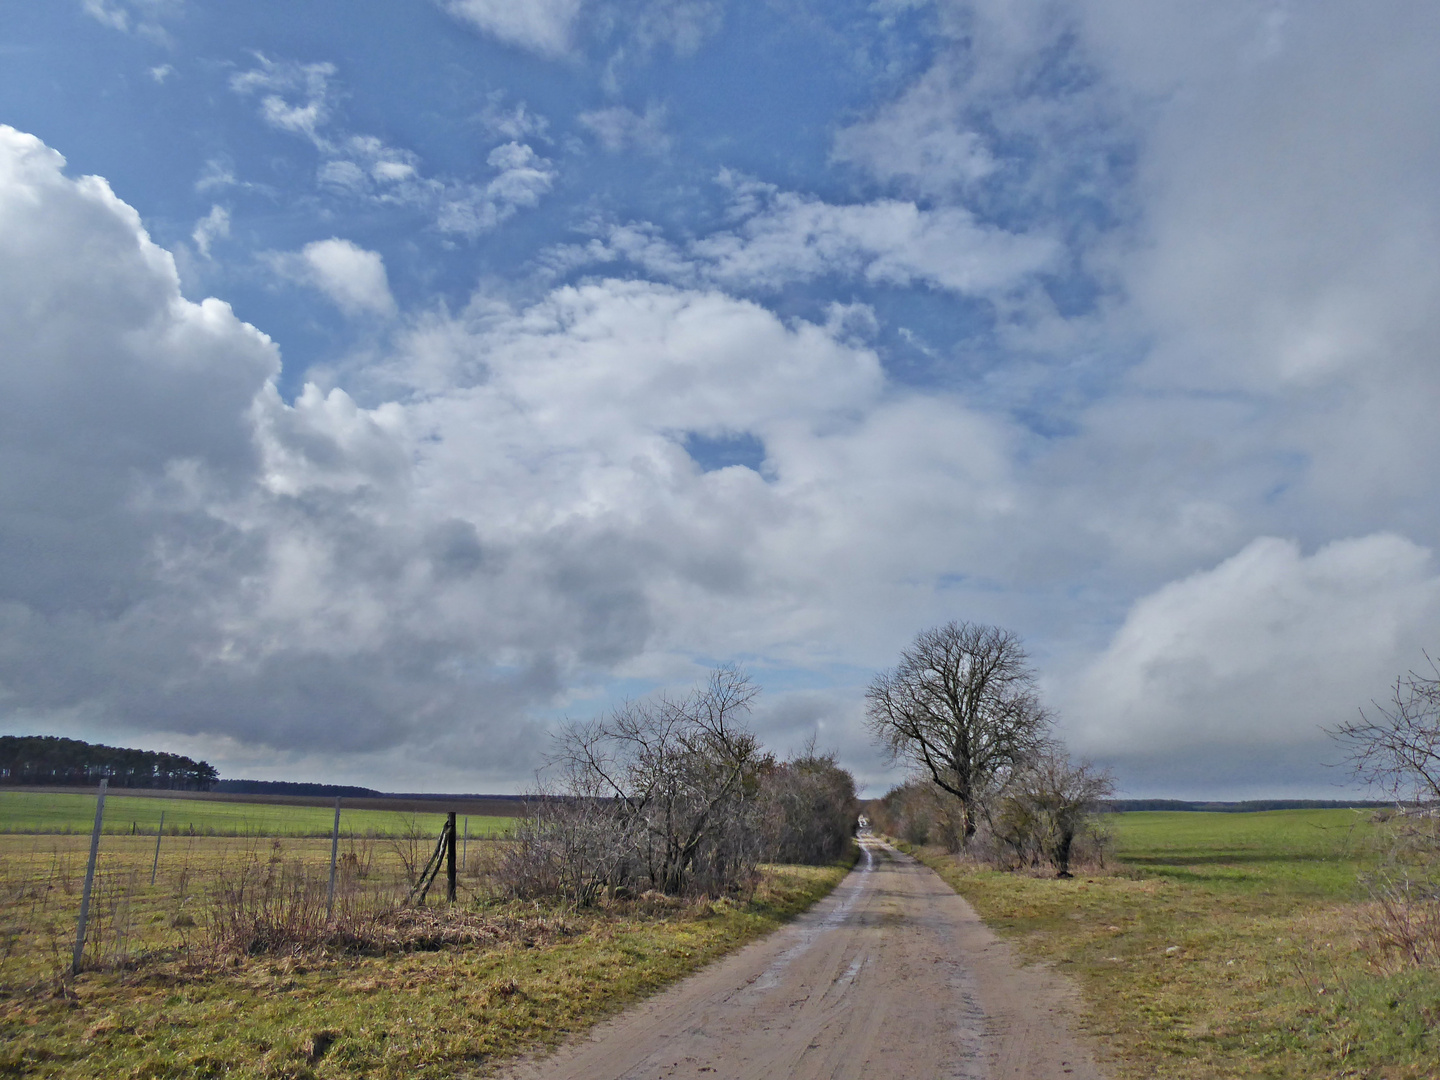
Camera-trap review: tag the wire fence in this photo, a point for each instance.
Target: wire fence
(201, 892)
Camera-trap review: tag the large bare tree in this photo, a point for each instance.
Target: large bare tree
(962, 707)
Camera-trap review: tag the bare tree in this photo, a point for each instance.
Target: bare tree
(961, 706)
(1398, 747)
(677, 776)
(1058, 799)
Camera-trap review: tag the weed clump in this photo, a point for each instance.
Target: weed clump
(279, 907)
(1403, 918)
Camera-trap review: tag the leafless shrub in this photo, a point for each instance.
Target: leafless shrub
(1403, 919)
(112, 922)
(274, 909)
(63, 874)
(1048, 805)
(807, 809)
(357, 863)
(569, 847)
(659, 794)
(1397, 747)
(1047, 813)
(111, 925)
(411, 845)
(920, 813)
(266, 906)
(485, 862)
(1012, 836)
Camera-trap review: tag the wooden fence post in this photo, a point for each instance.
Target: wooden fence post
(450, 858)
(334, 851)
(158, 834)
(89, 880)
(465, 847)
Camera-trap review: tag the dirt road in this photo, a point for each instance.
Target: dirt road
(892, 976)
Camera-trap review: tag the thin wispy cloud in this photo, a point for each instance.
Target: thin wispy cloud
(300, 99)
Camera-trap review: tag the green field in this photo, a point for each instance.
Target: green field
(63, 813)
(1303, 853)
(1217, 945)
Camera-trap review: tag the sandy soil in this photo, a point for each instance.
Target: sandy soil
(891, 976)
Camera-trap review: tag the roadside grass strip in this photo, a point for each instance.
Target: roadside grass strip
(524, 976)
(1224, 945)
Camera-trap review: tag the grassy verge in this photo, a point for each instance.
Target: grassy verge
(65, 813)
(524, 978)
(1224, 945)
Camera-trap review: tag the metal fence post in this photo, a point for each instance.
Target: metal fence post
(89, 880)
(334, 850)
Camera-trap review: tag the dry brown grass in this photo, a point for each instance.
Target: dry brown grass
(383, 992)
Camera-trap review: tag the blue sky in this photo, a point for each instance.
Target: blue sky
(384, 381)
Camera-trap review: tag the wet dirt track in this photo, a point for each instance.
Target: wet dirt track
(891, 976)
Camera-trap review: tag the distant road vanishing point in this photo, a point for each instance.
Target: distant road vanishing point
(891, 976)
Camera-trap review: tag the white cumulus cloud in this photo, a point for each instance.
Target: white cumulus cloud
(555, 28)
(1184, 443)
(144, 18)
(293, 97)
(520, 519)
(1258, 655)
(348, 274)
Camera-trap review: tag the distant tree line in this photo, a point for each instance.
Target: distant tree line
(49, 759)
(1245, 806)
(291, 787)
